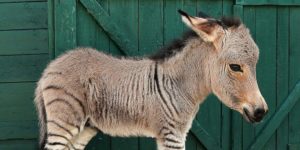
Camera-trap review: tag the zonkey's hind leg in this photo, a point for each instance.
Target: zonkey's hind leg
(82, 139)
(59, 135)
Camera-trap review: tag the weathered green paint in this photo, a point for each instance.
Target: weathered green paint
(65, 25)
(269, 2)
(24, 54)
(23, 15)
(28, 42)
(109, 26)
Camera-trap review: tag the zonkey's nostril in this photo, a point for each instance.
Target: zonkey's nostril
(259, 113)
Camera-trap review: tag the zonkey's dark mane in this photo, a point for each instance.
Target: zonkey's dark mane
(177, 45)
(174, 47)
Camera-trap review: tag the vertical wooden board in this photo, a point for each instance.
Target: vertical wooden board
(266, 68)
(19, 144)
(65, 25)
(150, 26)
(237, 127)
(191, 142)
(249, 21)
(151, 19)
(282, 71)
(24, 15)
(294, 76)
(172, 21)
(89, 33)
(51, 35)
(228, 7)
(212, 8)
(125, 14)
(210, 112)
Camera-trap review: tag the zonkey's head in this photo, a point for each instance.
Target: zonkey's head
(232, 68)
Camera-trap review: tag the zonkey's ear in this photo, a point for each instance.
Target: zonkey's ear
(208, 29)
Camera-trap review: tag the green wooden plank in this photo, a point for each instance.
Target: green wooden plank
(65, 25)
(228, 7)
(24, 15)
(51, 35)
(22, 67)
(19, 144)
(150, 35)
(249, 21)
(18, 130)
(172, 20)
(24, 42)
(295, 146)
(237, 127)
(191, 142)
(294, 74)
(204, 137)
(89, 33)
(14, 1)
(268, 2)
(125, 14)
(212, 8)
(102, 18)
(16, 101)
(266, 67)
(282, 71)
(277, 118)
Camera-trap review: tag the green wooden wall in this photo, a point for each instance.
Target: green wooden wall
(24, 54)
(139, 27)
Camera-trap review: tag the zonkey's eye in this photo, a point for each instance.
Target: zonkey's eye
(235, 67)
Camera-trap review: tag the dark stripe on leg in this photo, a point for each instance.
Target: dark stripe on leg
(173, 147)
(58, 125)
(172, 140)
(61, 136)
(77, 116)
(69, 94)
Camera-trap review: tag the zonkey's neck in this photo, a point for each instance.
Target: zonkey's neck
(191, 67)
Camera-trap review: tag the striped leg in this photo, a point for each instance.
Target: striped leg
(65, 115)
(59, 135)
(83, 138)
(169, 139)
(170, 144)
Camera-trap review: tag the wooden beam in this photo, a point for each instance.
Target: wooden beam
(204, 137)
(276, 119)
(108, 25)
(64, 25)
